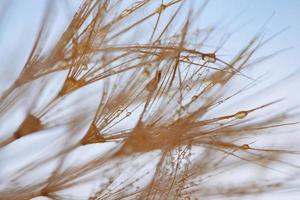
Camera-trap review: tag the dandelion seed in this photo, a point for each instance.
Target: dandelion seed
(209, 57)
(161, 8)
(240, 115)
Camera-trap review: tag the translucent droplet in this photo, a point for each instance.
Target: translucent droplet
(128, 114)
(194, 97)
(161, 8)
(120, 108)
(105, 121)
(74, 42)
(211, 84)
(182, 109)
(151, 86)
(145, 73)
(64, 65)
(209, 57)
(186, 58)
(188, 88)
(240, 115)
(84, 67)
(112, 71)
(230, 71)
(245, 146)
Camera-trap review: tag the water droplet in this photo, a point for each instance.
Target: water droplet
(105, 121)
(151, 86)
(186, 58)
(161, 8)
(128, 114)
(74, 42)
(182, 109)
(245, 146)
(145, 73)
(240, 115)
(120, 108)
(210, 85)
(64, 65)
(194, 97)
(84, 67)
(209, 57)
(230, 71)
(188, 88)
(112, 71)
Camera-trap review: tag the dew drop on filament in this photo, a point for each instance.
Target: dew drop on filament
(240, 115)
(245, 146)
(84, 67)
(161, 8)
(209, 57)
(194, 97)
(128, 114)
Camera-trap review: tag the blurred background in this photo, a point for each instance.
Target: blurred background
(236, 20)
